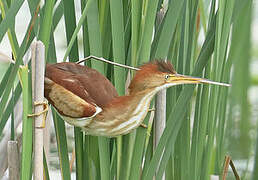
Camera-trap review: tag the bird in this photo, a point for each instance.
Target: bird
(87, 99)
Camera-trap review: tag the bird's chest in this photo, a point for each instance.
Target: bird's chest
(135, 116)
(141, 109)
(129, 117)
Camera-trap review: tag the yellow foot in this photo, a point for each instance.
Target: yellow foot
(44, 112)
(72, 160)
(151, 109)
(143, 125)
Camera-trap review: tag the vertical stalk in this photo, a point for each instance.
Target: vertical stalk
(27, 125)
(38, 69)
(13, 160)
(160, 117)
(46, 131)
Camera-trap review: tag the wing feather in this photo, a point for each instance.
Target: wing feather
(84, 82)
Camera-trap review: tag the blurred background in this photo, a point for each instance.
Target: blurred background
(242, 111)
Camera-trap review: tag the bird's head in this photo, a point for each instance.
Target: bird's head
(160, 75)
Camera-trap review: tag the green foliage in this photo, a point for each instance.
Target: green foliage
(27, 126)
(200, 122)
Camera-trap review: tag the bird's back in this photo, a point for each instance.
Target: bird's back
(81, 82)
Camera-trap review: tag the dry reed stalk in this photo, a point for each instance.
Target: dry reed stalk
(13, 160)
(7, 136)
(38, 70)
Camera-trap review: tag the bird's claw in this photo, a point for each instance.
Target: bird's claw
(143, 125)
(151, 109)
(45, 110)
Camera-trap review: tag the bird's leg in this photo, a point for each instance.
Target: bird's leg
(143, 125)
(45, 110)
(72, 160)
(151, 109)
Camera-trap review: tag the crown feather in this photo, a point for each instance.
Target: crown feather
(149, 69)
(166, 67)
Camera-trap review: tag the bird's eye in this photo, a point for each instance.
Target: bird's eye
(166, 76)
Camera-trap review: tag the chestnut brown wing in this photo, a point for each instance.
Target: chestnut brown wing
(84, 82)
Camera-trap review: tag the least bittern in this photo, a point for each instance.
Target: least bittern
(87, 99)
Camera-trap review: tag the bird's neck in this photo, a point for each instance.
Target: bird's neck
(134, 102)
(137, 98)
(124, 113)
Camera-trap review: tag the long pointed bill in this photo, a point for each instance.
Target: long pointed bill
(183, 79)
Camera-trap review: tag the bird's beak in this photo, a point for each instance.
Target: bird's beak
(183, 79)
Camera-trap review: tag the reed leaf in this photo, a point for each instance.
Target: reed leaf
(200, 122)
(27, 126)
(61, 145)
